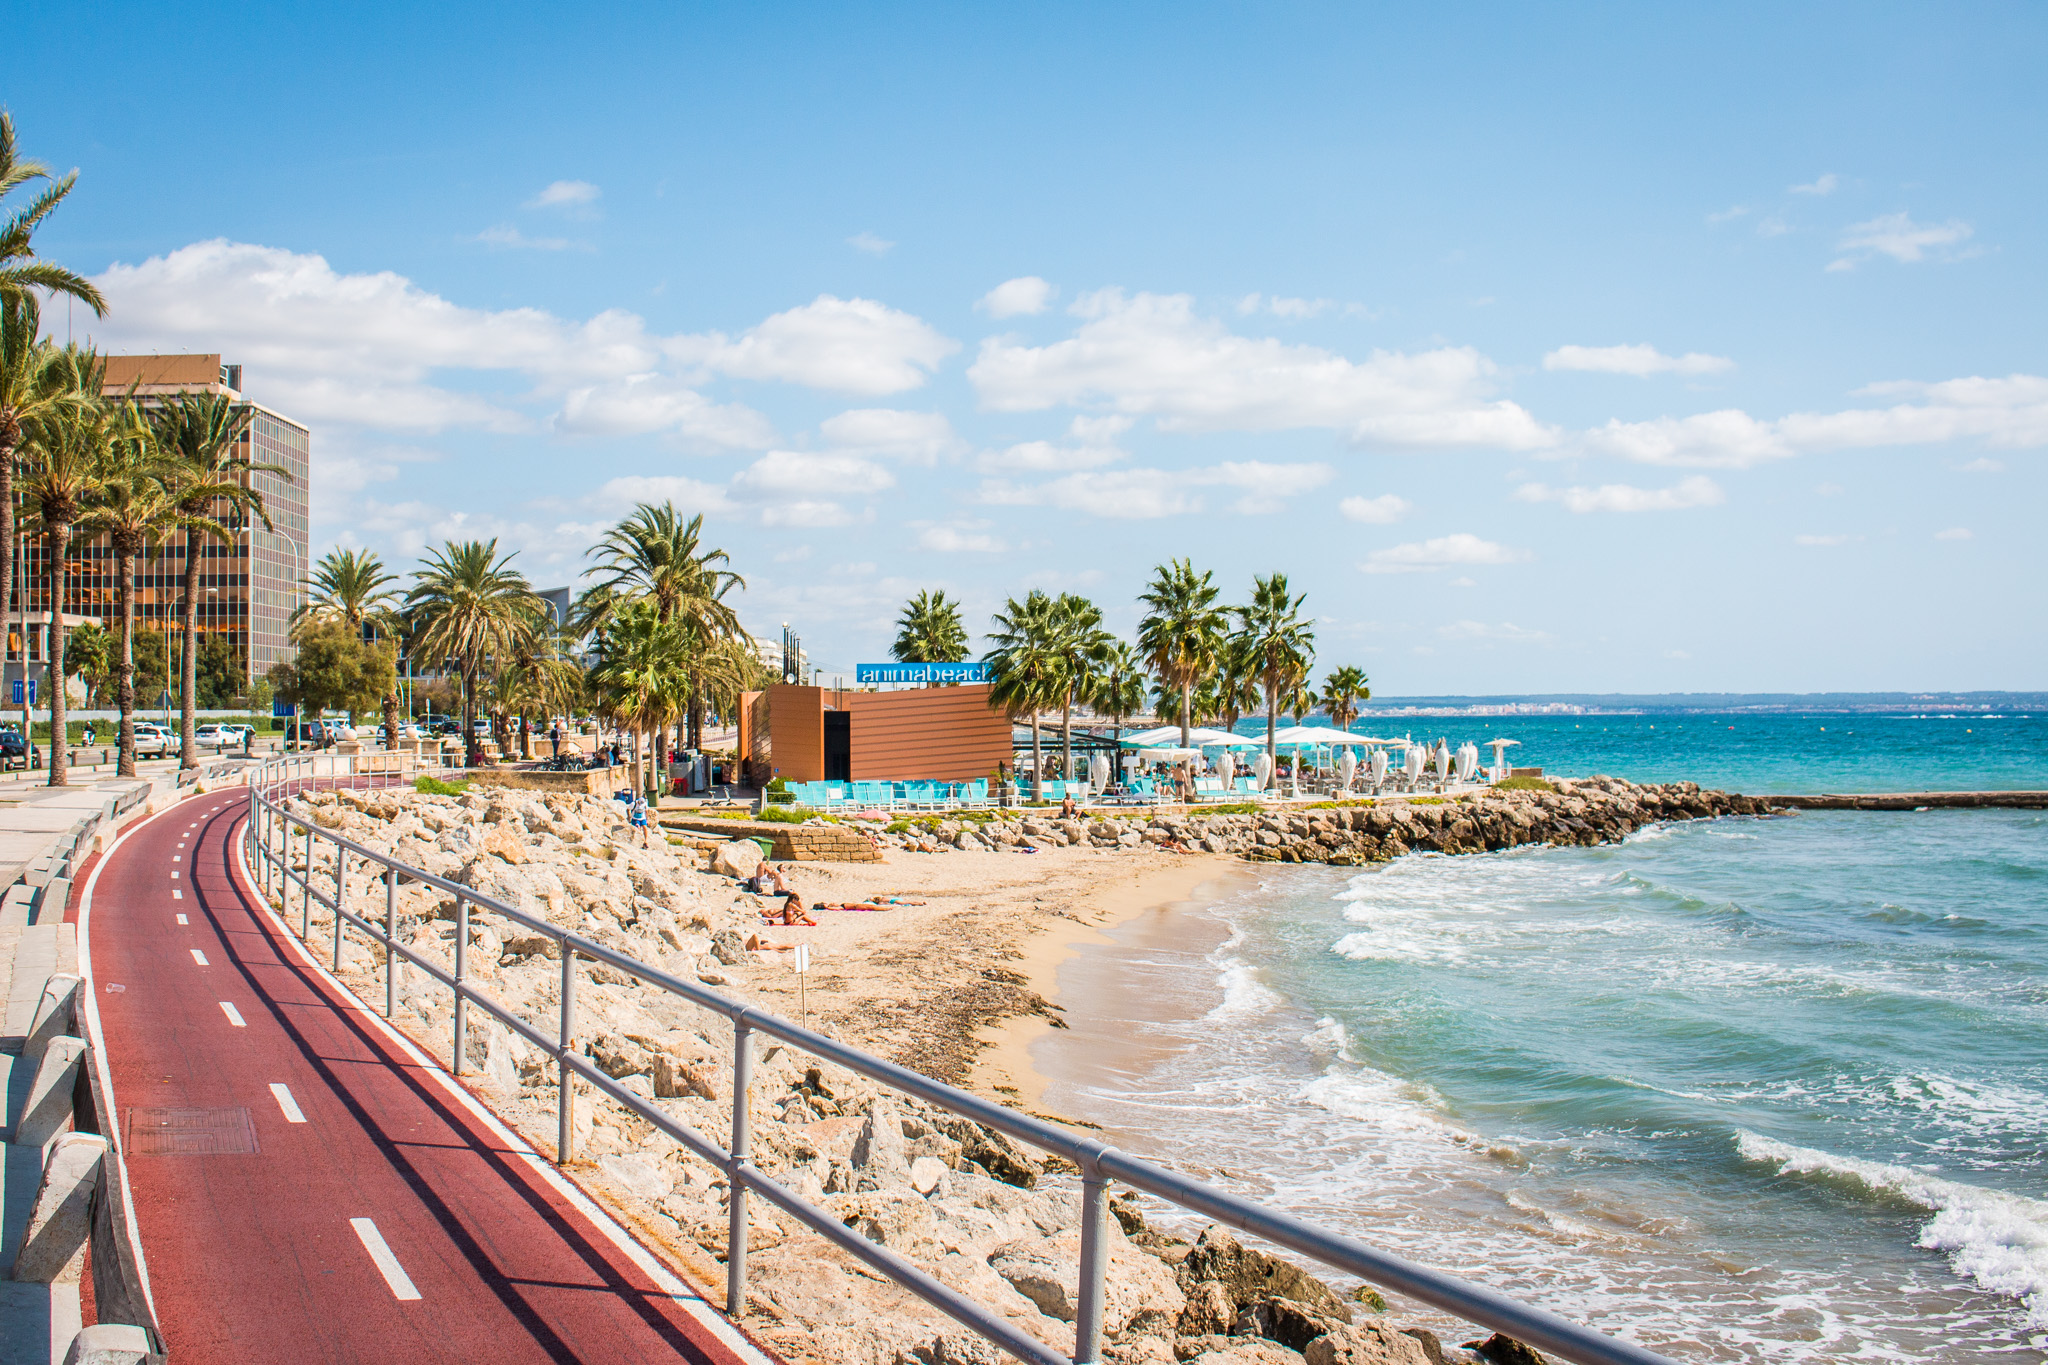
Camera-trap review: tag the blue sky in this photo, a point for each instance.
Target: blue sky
(1545, 347)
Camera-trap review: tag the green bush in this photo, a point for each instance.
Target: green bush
(434, 786)
(1523, 784)
(789, 815)
(1232, 808)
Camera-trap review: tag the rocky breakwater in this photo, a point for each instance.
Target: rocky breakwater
(1590, 811)
(992, 1219)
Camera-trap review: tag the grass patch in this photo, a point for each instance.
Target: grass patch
(790, 815)
(1358, 803)
(434, 786)
(1231, 808)
(1523, 784)
(1429, 800)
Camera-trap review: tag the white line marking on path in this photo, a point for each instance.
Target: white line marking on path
(234, 1015)
(176, 859)
(182, 920)
(286, 1102)
(394, 1273)
(176, 894)
(198, 956)
(174, 874)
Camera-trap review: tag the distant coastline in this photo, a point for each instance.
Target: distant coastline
(1708, 703)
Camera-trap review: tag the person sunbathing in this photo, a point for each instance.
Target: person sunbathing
(791, 913)
(890, 898)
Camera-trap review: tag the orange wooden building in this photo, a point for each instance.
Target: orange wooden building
(824, 734)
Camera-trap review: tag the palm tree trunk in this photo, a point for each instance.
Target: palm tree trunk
(7, 566)
(391, 719)
(1067, 729)
(60, 546)
(188, 699)
(1187, 700)
(1037, 761)
(472, 756)
(124, 671)
(1272, 704)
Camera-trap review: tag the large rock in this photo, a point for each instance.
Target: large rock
(880, 1149)
(728, 947)
(648, 1179)
(740, 858)
(1248, 1351)
(1291, 1324)
(1372, 1343)
(503, 841)
(1139, 1296)
(1505, 1350)
(1249, 1276)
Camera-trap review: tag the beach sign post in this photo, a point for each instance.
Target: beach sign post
(801, 960)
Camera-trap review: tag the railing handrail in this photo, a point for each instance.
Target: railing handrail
(1098, 1162)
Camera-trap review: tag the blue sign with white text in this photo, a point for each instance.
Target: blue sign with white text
(31, 692)
(921, 673)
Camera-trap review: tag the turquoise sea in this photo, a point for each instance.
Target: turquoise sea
(1756, 1089)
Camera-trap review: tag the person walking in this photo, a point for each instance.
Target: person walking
(637, 814)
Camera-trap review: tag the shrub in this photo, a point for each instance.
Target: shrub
(1238, 808)
(790, 815)
(434, 786)
(1523, 784)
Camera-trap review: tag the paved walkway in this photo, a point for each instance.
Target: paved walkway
(308, 1185)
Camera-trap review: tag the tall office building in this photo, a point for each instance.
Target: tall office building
(249, 585)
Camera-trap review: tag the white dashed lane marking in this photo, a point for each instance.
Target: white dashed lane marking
(234, 1015)
(181, 919)
(285, 1102)
(176, 894)
(199, 957)
(394, 1273)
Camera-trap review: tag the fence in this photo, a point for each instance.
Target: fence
(272, 830)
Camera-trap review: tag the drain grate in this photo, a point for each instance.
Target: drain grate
(190, 1132)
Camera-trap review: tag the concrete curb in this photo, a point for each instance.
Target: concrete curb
(48, 1111)
(56, 1015)
(60, 1222)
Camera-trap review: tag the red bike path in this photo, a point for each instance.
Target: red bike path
(397, 1221)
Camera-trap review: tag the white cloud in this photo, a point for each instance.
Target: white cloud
(870, 243)
(1428, 556)
(1983, 466)
(960, 539)
(1823, 542)
(505, 235)
(807, 513)
(1145, 494)
(1639, 360)
(1697, 491)
(849, 345)
(566, 194)
(782, 474)
(653, 402)
(1094, 445)
(1954, 533)
(1383, 510)
(1826, 184)
(1024, 296)
(1899, 237)
(2010, 413)
(692, 495)
(1150, 355)
(1479, 630)
(919, 437)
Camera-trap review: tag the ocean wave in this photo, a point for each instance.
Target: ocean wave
(1244, 994)
(1996, 1239)
(1390, 1104)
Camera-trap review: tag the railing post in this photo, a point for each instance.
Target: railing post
(735, 1187)
(340, 898)
(461, 958)
(566, 1100)
(390, 936)
(1094, 1261)
(306, 890)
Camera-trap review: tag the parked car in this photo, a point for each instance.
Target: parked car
(309, 734)
(153, 741)
(211, 736)
(446, 725)
(13, 749)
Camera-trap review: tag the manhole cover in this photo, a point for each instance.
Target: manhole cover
(190, 1132)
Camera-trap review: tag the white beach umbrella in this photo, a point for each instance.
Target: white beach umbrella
(1442, 759)
(1347, 764)
(1412, 763)
(1262, 770)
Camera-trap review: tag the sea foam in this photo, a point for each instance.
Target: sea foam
(1997, 1239)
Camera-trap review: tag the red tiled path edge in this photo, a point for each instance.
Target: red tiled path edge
(255, 1256)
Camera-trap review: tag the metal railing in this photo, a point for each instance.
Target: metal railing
(271, 831)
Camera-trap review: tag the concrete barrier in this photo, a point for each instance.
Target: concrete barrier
(51, 898)
(56, 1015)
(53, 1242)
(109, 1343)
(48, 1111)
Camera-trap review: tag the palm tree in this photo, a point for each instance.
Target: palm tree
(468, 606)
(640, 679)
(351, 586)
(1343, 689)
(1119, 683)
(655, 554)
(201, 432)
(1278, 642)
(1026, 669)
(1235, 687)
(68, 447)
(29, 385)
(930, 631)
(1080, 641)
(1182, 633)
(134, 505)
(20, 271)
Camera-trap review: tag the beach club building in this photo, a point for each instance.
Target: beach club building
(944, 733)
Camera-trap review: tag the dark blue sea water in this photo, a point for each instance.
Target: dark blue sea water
(1744, 1090)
